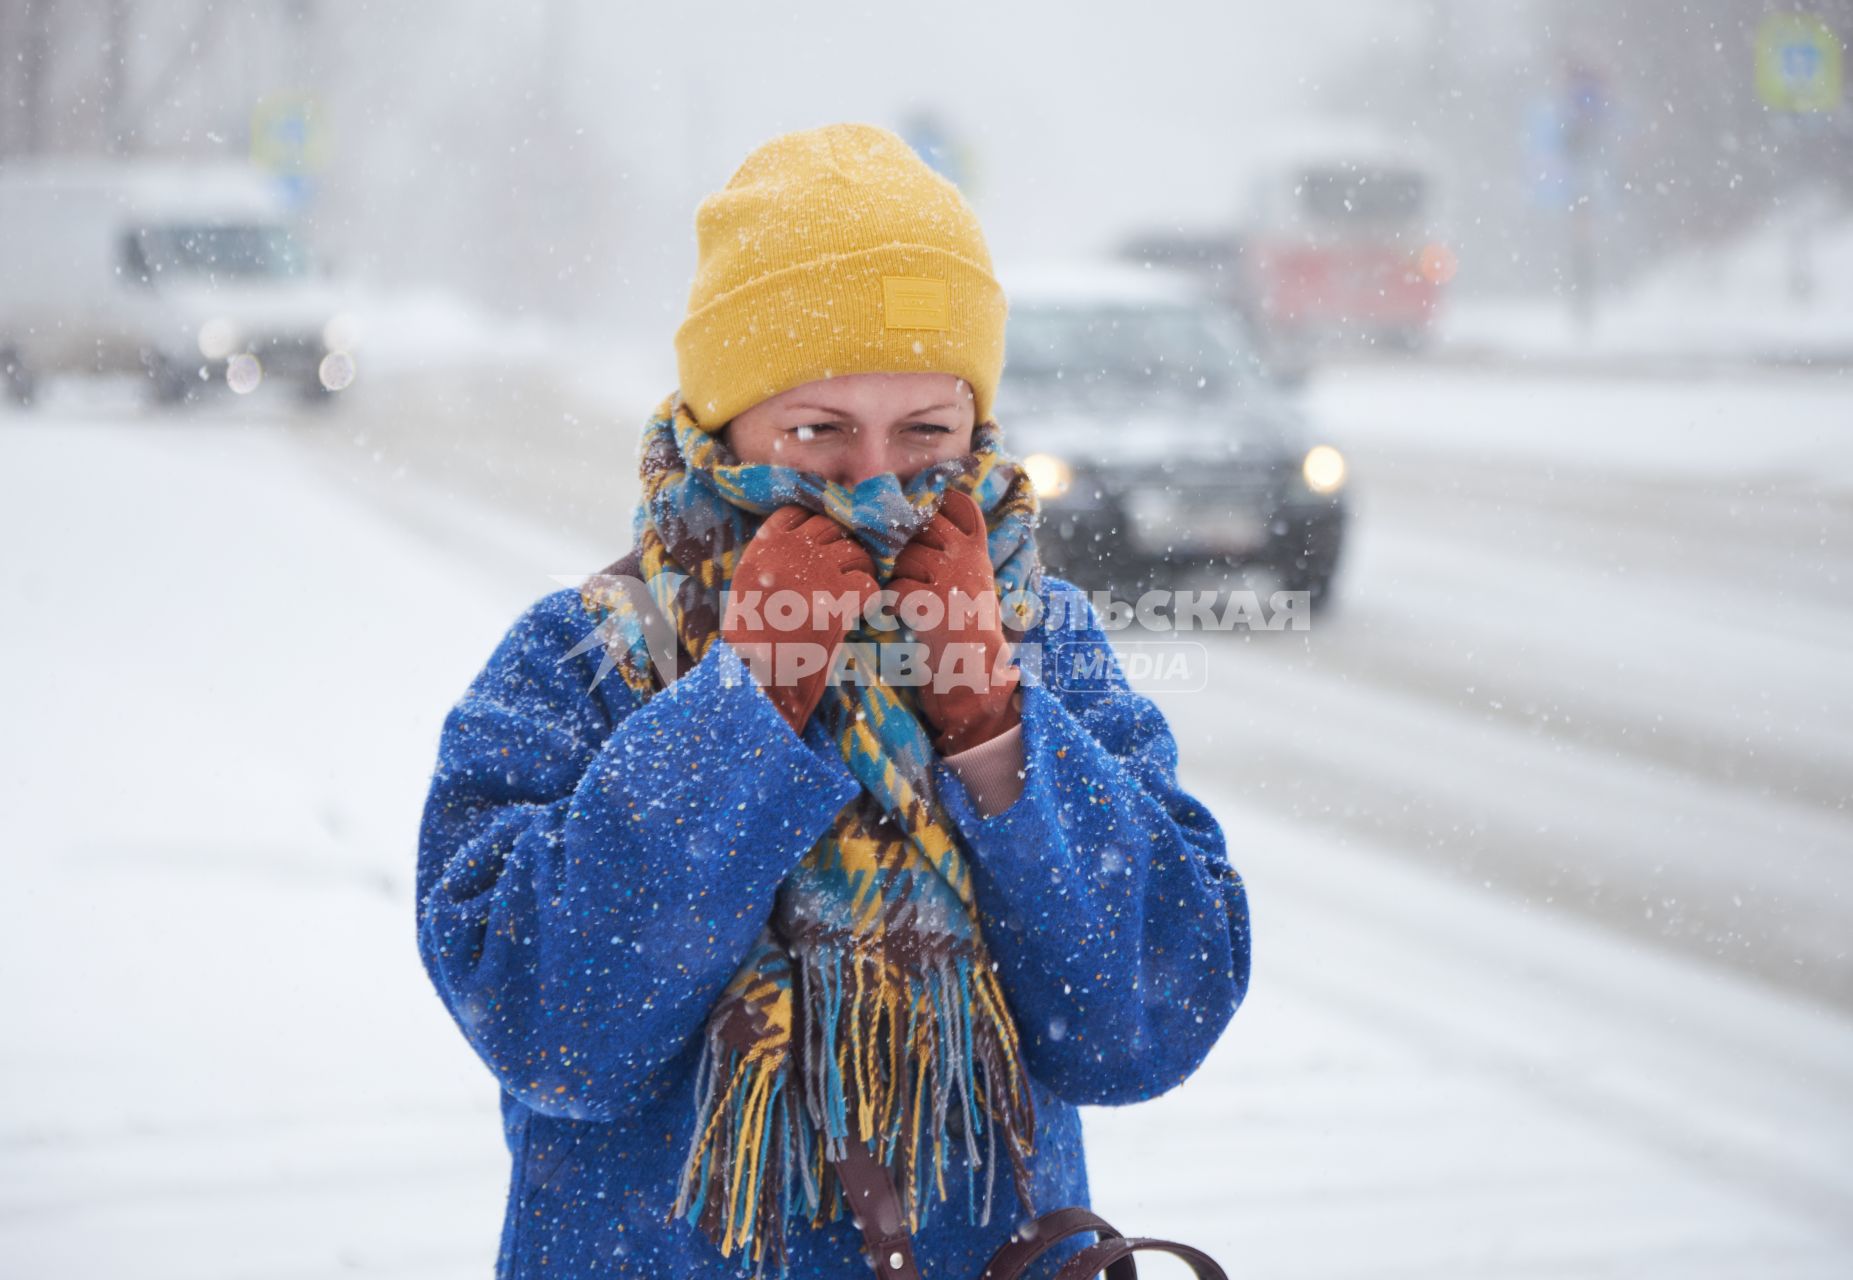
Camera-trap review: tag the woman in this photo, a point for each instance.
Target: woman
(856, 881)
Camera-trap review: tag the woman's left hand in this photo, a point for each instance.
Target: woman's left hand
(971, 696)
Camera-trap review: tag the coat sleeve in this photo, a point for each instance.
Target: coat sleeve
(1119, 929)
(593, 866)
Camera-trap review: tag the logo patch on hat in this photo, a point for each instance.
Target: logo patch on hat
(915, 302)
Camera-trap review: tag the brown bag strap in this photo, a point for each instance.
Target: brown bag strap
(877, 1209)
(1010, 1261)
(1116, 1251)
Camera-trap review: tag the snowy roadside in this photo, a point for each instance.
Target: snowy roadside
(229, 668)
(1733, 305)
(227, 684)
(1430, 1079)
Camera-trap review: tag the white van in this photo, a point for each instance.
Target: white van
(193, 275)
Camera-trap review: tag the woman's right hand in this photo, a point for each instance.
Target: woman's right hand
(790, 649)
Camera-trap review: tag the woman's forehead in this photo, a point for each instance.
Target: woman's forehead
(904, 391)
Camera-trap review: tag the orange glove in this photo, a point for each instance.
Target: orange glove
(814, 556)
(949, 559)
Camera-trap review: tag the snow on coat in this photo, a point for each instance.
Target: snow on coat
(593, 865)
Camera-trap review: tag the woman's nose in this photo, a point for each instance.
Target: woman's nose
(867, 457)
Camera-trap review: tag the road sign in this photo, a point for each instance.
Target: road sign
(286, 135)
(1797, 63)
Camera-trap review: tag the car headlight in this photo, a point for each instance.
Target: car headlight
(336, 371)
(218, 338)
(341, 333)
(1323, 469)
(1048, 475)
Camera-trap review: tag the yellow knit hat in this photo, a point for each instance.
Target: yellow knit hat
(834, 251)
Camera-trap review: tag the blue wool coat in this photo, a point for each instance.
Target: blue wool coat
(593, 865)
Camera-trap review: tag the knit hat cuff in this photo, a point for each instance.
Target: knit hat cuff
(828, 317)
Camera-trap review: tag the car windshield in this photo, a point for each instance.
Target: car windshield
(252, 249)
(1355, 194)
(1126, 353)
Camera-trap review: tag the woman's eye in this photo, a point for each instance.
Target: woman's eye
(810, 431)
(930, 429)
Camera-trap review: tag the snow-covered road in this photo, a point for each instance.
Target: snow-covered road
(232, 641)
(1592, 649)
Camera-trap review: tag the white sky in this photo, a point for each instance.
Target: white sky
(1081, 120)
(1041, 93)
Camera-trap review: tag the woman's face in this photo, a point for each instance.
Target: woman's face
(860, 425)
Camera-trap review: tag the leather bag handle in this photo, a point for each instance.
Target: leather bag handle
(876, 1207)
(1010, 1261)
(1116, 1250)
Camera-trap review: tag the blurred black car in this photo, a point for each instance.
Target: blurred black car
(1158, 440)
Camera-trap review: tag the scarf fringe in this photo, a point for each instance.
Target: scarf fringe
(930, 1041)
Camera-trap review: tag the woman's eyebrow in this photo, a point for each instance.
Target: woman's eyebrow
(839, 413)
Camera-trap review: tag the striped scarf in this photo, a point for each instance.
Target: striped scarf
(868, 1001)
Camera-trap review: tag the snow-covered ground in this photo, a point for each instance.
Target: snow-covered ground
(1779, 293)
(1590, 662)
(1592, 649)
